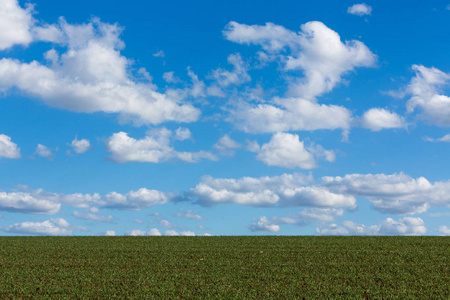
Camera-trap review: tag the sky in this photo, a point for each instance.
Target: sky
(224, 117)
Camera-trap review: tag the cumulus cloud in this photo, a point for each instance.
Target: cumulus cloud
(8, 149)
(56, 226)
(237, 76)
(155, 148)
(43, 151)
(41, 202)
(136, 232)
(182, 134)
(264, 225)
(361, 9)
(404, 226)
(286, 150)
(80, 146)
(15, 24)
(133, 200)
(34, 202)
(425, 90)
(394, 194)
(286, 114)
(316, 50)
(91, 76)
(444, 229)
(175, 233)
(284, 190)
(110, 233)
(226, 145)
(377, 119)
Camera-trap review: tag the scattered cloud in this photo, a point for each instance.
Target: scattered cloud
(110, 233)
(404, 226)
(377, 119)
(361, 9)
(56, 226)
(237, 76)
(444, 139)
(289, 114)
(226, 145)
(170, 77)
(160, 53)
(425, 90)
(284, 190)
(264, 225)
(444, 230)
(8, 149)
(92, 76)
(80, 146)
(188, 214)
(316, 50)
(43, 151)
(182, 134)
(93, 217)
(154, 148)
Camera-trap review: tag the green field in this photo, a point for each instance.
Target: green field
(225, 267)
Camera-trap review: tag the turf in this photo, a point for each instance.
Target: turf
(225, 267)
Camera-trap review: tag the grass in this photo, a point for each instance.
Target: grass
(225, 267)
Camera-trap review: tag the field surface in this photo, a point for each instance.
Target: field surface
(225, 267)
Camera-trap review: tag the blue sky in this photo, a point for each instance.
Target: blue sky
(224, 118)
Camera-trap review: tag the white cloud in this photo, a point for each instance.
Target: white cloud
(175, 233)
(43, 151)
(360, 9)
(170, 77)
(50, 227)
(34, 202)
(154, 232)
(155, 148)
(8, 148)
(93, 217)
(284, 190)
(110, 233)
(425, 91)
(317, 51)
(226, 145)
(444, 229)
(290, 114)
(189, 214)
(92, 76)
(15, 24)
(182, 134)
(264, 225)
(377, 119)
(404, 226)
(319, 214)
(166, 223)
(134, 200)
(444, 139)
(394, 194)
(160, 53)
(286, 150)
(237, 76)
(80, 146)
(136, 232)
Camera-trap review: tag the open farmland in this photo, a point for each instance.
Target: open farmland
(225, 267)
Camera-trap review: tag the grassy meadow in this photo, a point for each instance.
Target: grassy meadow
(225, 267)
